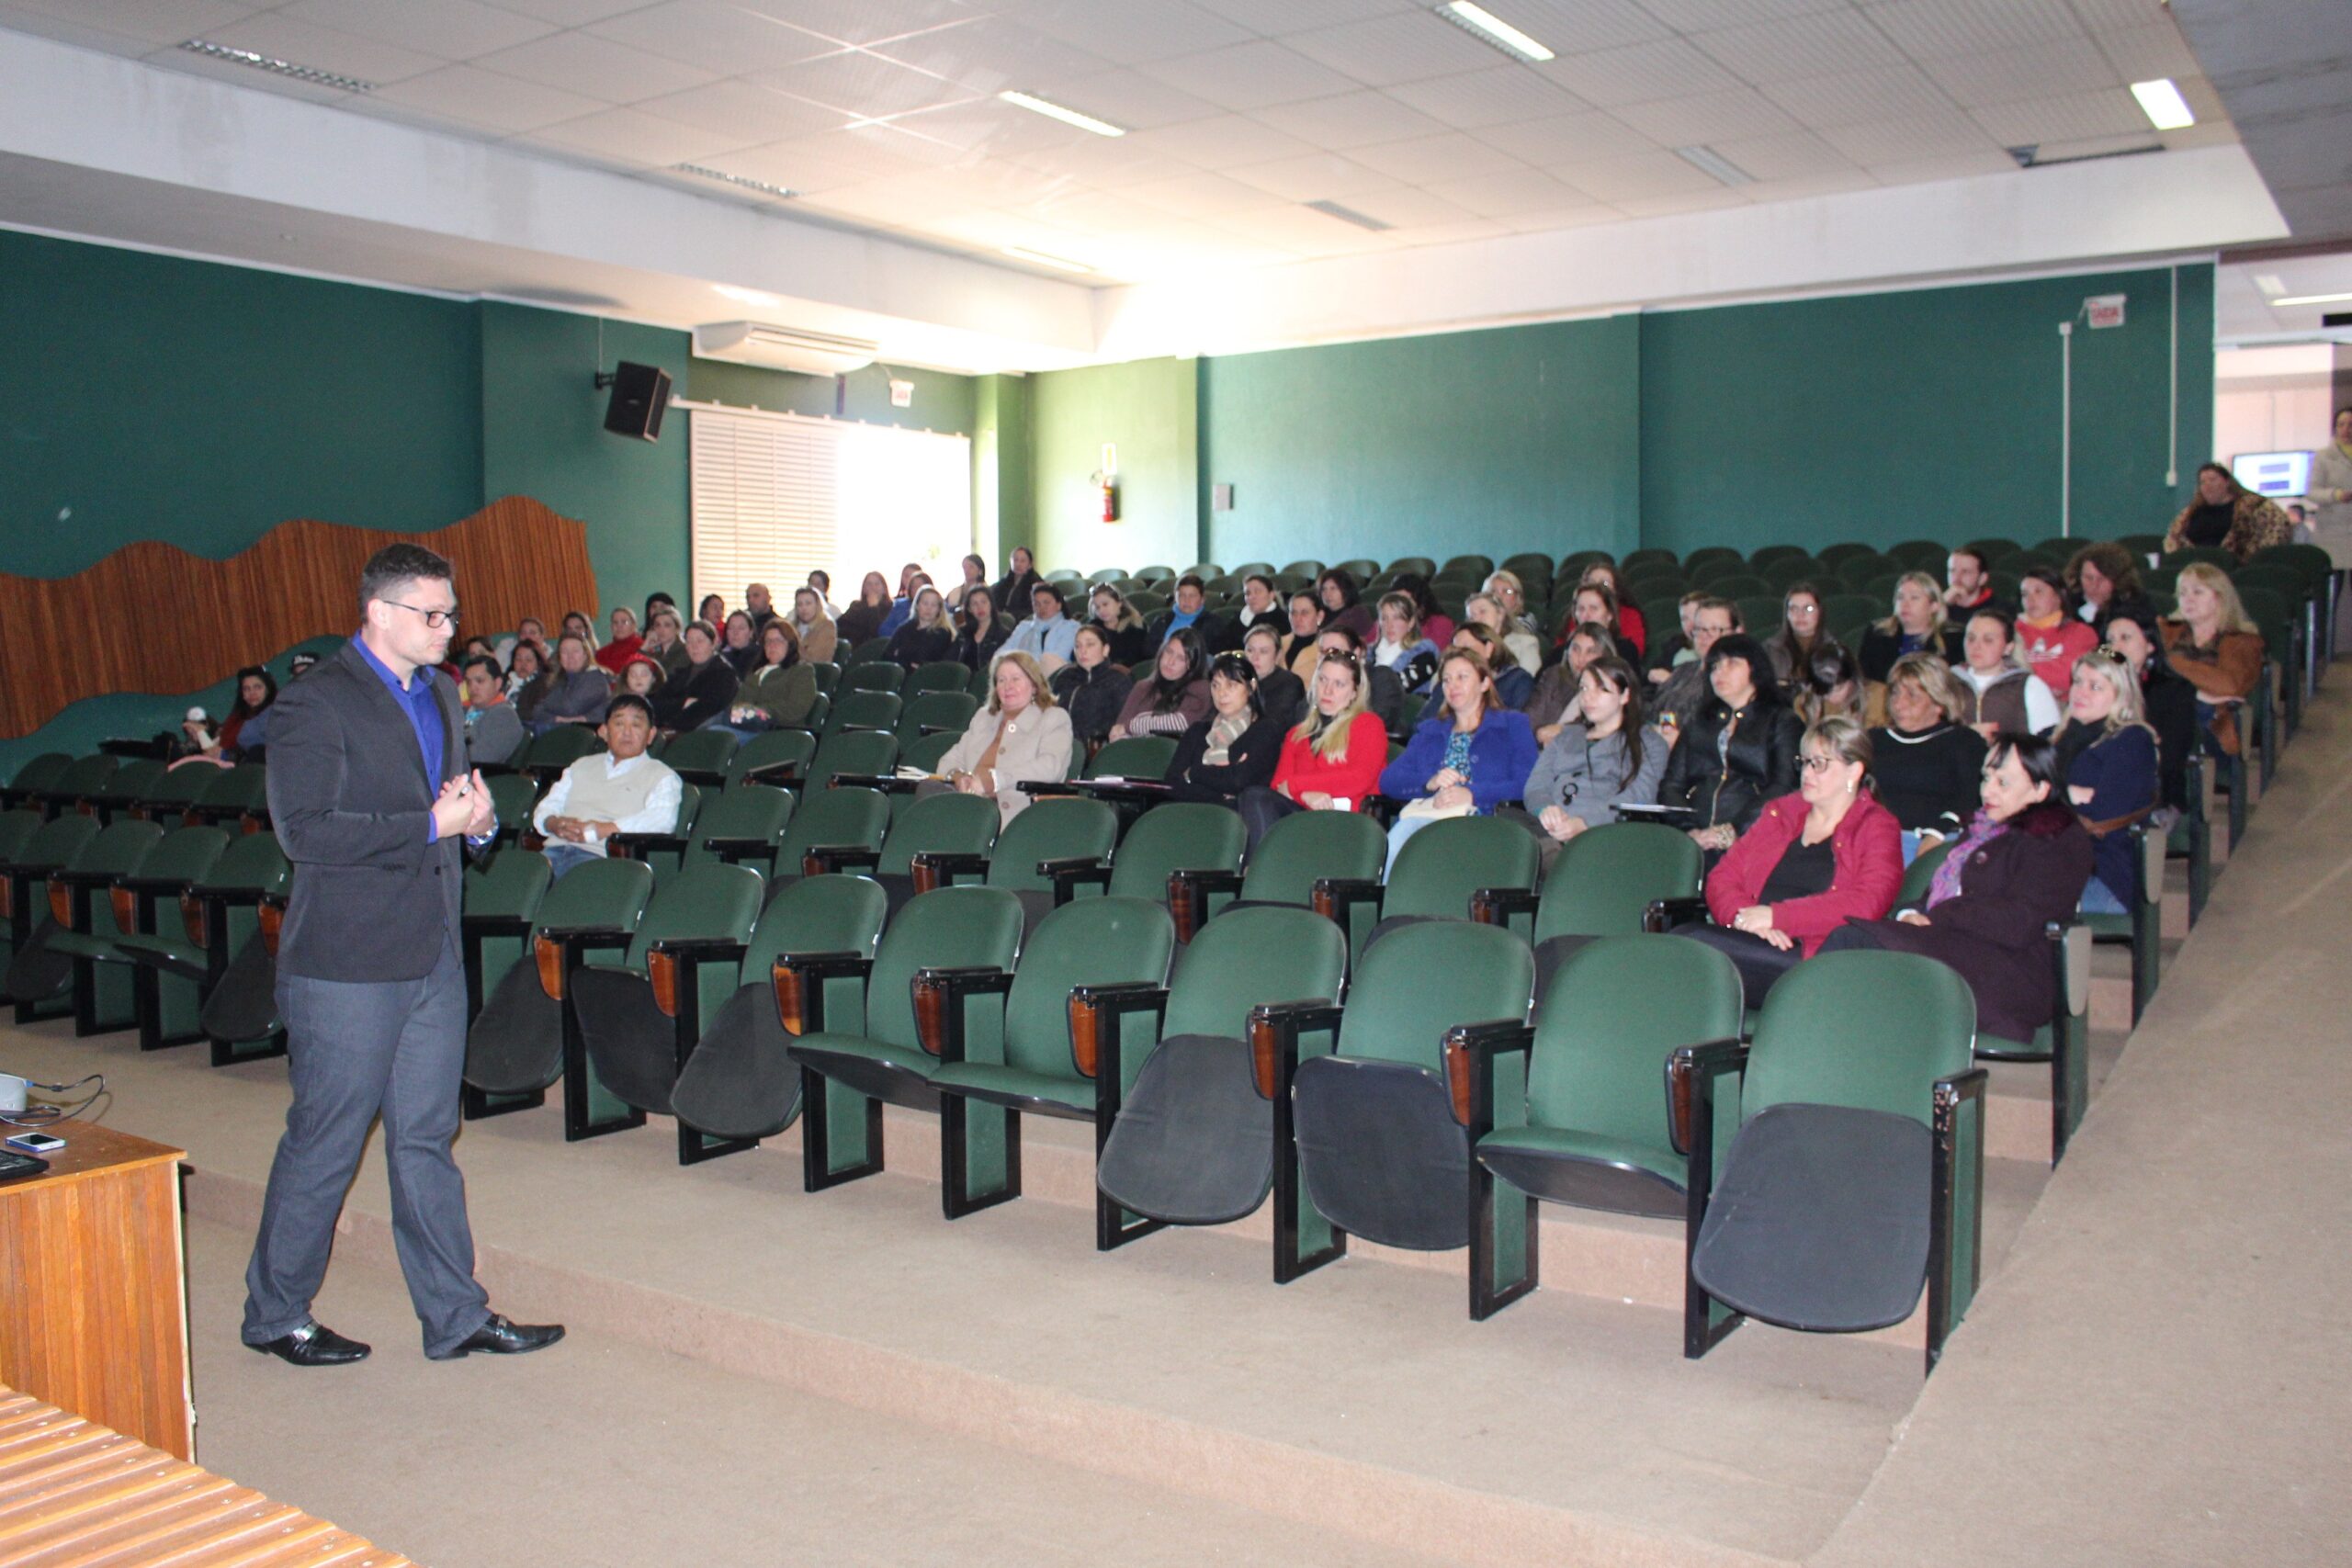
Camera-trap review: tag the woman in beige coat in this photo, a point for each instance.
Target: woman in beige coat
(1019, 737)
(812, 627)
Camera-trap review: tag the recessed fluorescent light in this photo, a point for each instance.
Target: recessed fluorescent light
(2270, 283)
(2164, 106)
(1052, 110)
(1041, 258)
(1477, 19)
(2311, 300)
(744, 181)
(746, 296)
(276, 66)
(1349, 215)
(1707, 160)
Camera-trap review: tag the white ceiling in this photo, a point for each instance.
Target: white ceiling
(883, 113)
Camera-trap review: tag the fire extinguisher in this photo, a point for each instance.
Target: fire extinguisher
(1110, 499)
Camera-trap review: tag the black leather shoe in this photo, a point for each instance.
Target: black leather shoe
(313, 1345)
(500, 1338)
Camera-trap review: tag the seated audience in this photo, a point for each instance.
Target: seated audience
(1999, 692)
(577, 692)
(1814, 860)
(1232, 749)
(1261, 605)
(1595, 604)
(862, 622)
(2108, 761)
(1830, 685)
(778, 694)
(822, 581)
(1510, 595)
(738, 646)
(2100, 578)
(1048, 635)
(1791, 645)
(1436, 625)
(2168, 702)
(644, 678)
(1918, 625)
(1330, 760)
(1124, 634)
(493, 731)
(1685, 691)
(1513, 683)
(1091, 688)
(1631, 623)
(1013, 589)
(708, 688)
(976, 575)
(911, 580)
(622, 645)
(812, 627)
(618, 790)
(1189, 612)
(2215, 649)
(1299, 650)
(530, 629)
(1738, 750)
(1343, 604)
(979, 630)
(2020, 864)
(1384, 692)
(1020, 736)
(2049, 638)
(528, 667)
(1282, 695)
(1468, 763)
(256, 689)
(1928, 762)
(757, 604)
(1668, 654)
(1174, 697)
(1597, 761)
(576, 624)
(1559, 697)
(1968, 587)
(2224, 515)
(929, 636)
(1402, 647)
(1483, 610)
(665, 640)
(712, 609)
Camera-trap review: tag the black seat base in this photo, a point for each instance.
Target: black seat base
(1381, 1154)
(630, 1042)
(1194, 1141)
(516, 1044)
(740, 1082)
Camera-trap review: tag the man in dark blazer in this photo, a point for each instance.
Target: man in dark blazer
(372, 800)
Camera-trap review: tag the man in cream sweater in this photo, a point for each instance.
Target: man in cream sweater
(620, 790)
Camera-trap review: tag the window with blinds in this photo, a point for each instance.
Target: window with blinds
(776, 496)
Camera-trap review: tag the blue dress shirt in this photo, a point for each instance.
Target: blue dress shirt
(424, 712)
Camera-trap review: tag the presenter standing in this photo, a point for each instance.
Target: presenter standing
(370, 793)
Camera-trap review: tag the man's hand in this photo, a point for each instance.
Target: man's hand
(454, 810)
(485, 817)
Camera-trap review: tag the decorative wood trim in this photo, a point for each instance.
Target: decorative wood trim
(151, 617)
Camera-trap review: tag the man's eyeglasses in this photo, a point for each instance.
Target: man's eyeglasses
(436, 619)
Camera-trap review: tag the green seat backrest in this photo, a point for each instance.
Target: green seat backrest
(508, 886)
(834, 818)
(927, 752)
(945, 929)
(1179, 836)
(856, 751)
(816, 914)
(1133, 757)
(1251, 957)
(1101, 941)
(1847, 549)
(1707, 553)
(1310, 844)
(179, 787)
(702, 750)
(244, 787)
(1446, 862)
(252, 862)
(747, 811)
(85, 775)
(54, 844)
(1616, 1009)
(706, 900)
(829, 675)
(1765, 556)
(598, 893)
(511, 795)
(819, 712)
(874, 675)
(866, 652)
(941, 675)
(769, 748)
(2311, 561)
(1605, 879)
(116, 849)
(184, 856)
(689, 808)
(41, 772)
(939, 824)
(2211, 554)
(560, 747)
(1871, 1030)
(864, 710)
(132, 781)
(938, 710)
(2282, 580)
(1918, 874)
(16, 828)
(2274, 615)
(1919, 555)
(1055, 829)
(1843, 610)
(1421, 980)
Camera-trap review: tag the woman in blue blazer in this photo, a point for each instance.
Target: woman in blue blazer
(1473, 758)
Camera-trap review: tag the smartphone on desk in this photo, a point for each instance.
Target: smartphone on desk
(36, 1142)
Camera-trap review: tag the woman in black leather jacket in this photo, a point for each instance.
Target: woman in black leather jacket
(1739, 749)
(1090, 687)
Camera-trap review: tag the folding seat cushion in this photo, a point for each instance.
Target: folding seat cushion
(516, 1044)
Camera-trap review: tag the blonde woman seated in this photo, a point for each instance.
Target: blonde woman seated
(1466, 764)
(1929, 764)
(1918, 625)
(1020, 737)
(1330, 760)
(1597, 761)
(2216, 649)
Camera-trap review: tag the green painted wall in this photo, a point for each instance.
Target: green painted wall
(1515, 439)
(203, 404)
(1927, 413)
(1003, 514)
(942, 402)
(1150, 408)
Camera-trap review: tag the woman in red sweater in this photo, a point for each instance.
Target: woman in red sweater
(1331, 758)
(614, 656)
(1814, 860)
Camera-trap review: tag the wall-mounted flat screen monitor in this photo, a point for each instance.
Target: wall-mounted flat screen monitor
(2273, 473)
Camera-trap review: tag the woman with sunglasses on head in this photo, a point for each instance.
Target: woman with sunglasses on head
(1331, 760)
(2109, 762)
(1237, 747)
(2168, 703)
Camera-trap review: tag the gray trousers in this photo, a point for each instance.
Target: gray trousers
(355, 1051)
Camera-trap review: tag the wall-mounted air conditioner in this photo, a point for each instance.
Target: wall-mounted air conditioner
(782, 348)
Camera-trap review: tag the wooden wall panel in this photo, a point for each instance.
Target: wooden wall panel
(150, 617)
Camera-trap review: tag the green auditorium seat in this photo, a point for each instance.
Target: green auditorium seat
(1702, 557)
(1764, 556)
(128, 785)
(2209, 555)
(1921, 555)
(700, 756)
(1362, 570)
(936, 713)
(1132, 756)
(1786, 572)
(635, 1023)
(1366, 1138)
(77, 781)
(231, 795)
(2065, 1041)
(1602, 883)
(858, 709)
(739, 826)
(175, 795)
(502, 895)
(29, 911)
(106, 906)
(858, 1050)
(81, 926)
(515, 1045)
(925, 755)
(951, 825)
(874, 675)
(872, 650)
(773, 756)
(1582, 1118)
(829, 676)
(1835, 555)
(511, 798)
(546, 756)
(1572, 566)
(165, 1005)
(843, 817)
(2143, 927)
(1856, 1176)
(1155, 574)
(1476, 568)
(1307, 569)
(868, 751)
(37, 773)
(1532, 568)
(1295, 853)
(220, 960)
(1003, 1041)
(2275, 705)
(662, 852)
(1049, 831)
(1437, 872)
(944, 675)
(1176, 836)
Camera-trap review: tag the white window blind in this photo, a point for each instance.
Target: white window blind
(776, 496)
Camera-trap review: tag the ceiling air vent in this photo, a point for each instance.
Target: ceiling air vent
(784, 348)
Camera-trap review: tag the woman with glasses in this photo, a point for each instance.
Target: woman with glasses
(1466, 764)
(1814, 860)
(622, 645)
(577, 691)
(779, 693)
(1332, 761)
(1739, 749)
(2108, 759)
(1801, 632)
(1235, 748)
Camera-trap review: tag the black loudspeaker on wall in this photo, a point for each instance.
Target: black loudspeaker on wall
(640, 396)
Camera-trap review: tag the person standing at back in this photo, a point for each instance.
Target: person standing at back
(373, 803)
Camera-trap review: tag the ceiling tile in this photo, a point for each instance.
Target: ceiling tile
(1127, 160)
(2051, 70)
(1249, 76)
(1133, 100)
(1794, 47)
(1639, 177)
(1477, 98)
(1389, 49)
(1303, 16)
(1304, 231)
(1427, 159)
(1797, 188)
(1668, 70)
(1710, 15)
(1926, 28)
(1225, 143)
(871, 21)
(1567, 139)
(1580, 27)
(1678, 122)
(1800, 155)
(1880, 142)
(581, 62)
(863, 84)
(35, 17)
(728, 39)
(1943, 166)
(823, 163)
(1860, 97)
(569, 13)
(454, 30)
(983, 127)
(1583, 217)
(627, 136)
(1460, 231)
(1319, 176)
(1350, 120)
(498, 103)
(2142, 54)
(2112, 16)
(1683, 201)
(1130, 31)
(324, 49)
(1510, 194)
(1408, 209)
(1202, 196)
(753, 115)
(2075, 117)
(992, 53)
(148, 21)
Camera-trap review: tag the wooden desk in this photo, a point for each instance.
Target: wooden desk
(93, 1286)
